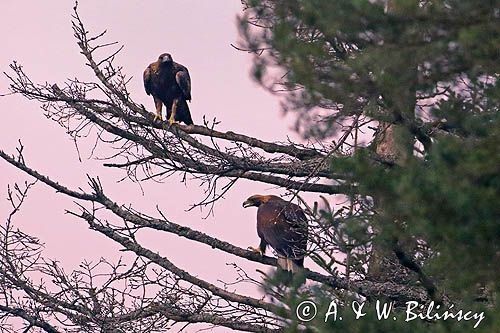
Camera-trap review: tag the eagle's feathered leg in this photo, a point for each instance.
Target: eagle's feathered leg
(172, 120)
(158, 105)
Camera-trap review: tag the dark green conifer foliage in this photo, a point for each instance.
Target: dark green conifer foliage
(429, 70)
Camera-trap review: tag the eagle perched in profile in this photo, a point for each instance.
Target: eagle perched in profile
(169, 83)
(283, 225)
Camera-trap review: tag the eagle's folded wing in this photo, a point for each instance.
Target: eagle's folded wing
(184, 82)
(147, 80)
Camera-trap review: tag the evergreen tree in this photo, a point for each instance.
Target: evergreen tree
(423, 75)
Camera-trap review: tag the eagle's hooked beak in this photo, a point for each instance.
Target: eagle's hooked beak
(248, 203)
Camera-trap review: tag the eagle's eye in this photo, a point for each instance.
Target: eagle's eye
(251, 202)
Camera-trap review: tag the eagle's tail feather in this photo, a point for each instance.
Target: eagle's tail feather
(299, 262)
(186, 114)
(283, 263)
(295, 265)
(291, 265)
(189, 120)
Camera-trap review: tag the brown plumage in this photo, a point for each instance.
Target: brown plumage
(283, 226)
(169, 83)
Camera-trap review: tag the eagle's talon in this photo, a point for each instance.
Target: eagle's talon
(172, 121)
(255, 249)
(156, 117)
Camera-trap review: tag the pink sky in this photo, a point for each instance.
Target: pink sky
(198, 34)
